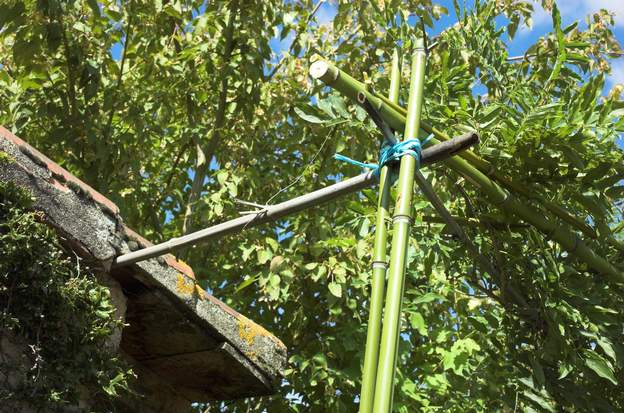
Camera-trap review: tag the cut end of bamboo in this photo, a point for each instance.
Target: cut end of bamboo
(361, 98)
(319, 69)
(323, 71)
(474, 137)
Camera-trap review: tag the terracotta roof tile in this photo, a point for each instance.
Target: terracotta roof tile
(64, 181)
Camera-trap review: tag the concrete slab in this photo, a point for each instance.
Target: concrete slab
(185, 338)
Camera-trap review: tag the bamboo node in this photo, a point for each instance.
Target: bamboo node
(400, 218)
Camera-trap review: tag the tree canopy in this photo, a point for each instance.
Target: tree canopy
(198, 109)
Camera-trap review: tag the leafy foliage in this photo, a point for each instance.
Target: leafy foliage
(63, 315)
(188, 94)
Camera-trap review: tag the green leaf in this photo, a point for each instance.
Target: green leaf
(339, 106)
(94, 6)
(538, 371)
(599, 365)
(577, 45)
(540, 400)
(361, 249)
(264, 256)
(418, 323)
(428, 297)
(247, 253)
(310, 266)
(276, 264)
(309, 118)
(272, 243)
(274, 280)
(564, 370)
(561, 51)
(607, 347)
(246, 283)
(335, 289)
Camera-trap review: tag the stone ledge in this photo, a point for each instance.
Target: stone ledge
(184, 336)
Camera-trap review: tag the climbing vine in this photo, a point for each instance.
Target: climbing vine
(56, 320)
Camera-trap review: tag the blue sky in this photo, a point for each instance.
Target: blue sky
(571, 10)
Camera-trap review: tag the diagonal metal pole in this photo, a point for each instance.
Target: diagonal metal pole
(384, 387)
(271, 213)
(482, 260)
(380, 265)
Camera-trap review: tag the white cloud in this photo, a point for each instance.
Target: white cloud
(577, 10)
(540, 16)
(615, 6)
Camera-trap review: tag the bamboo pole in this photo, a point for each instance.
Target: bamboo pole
(487, 168)
(475, 174)
(430, 154)
(384, 387)
(481, 259)
(380, 264)
(394, 114)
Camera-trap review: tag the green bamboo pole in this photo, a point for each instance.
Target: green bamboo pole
(394, 114)
(384, 387)
(394, 109)
(487, 168)
(380, 264)
(349, 87)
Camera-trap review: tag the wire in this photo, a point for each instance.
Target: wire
(268, 202)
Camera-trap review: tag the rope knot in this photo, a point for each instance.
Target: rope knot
(390, 153)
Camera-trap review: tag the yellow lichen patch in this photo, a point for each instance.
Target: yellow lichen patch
(6, 158)
(200, 292)
(183, 286)
(248, 331)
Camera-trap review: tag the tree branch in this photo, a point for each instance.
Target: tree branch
(202, 168)
(294, 42)
(111, 113)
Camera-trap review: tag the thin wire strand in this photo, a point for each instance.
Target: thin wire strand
(268, 203)
(260, 212)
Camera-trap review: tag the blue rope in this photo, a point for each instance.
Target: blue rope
(390, 153)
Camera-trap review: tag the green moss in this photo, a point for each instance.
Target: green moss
(55, 304)
(5, 158)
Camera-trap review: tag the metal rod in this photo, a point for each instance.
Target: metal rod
(384, 387)
(379, 122)
(484, 262)
(380, 263)
(274, 212)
